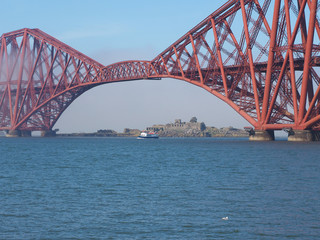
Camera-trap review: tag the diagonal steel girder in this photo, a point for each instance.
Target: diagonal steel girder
(260, 57)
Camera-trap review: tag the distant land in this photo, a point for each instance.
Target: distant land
(193, 128)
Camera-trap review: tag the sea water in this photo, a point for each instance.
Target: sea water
(167, 188)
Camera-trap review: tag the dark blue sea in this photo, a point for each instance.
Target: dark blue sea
(167, 188)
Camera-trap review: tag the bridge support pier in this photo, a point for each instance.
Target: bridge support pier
(18, 133)
(261, 135)
(25, 133)
(13, 133)
(48, 133)
(302, 135)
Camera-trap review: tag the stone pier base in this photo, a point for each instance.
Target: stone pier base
(18, 133)
(48, 133)
(261, 135)
(25, 133)
(13, 133)
(303, 135)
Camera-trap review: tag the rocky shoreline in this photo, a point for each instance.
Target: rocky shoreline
(177, 129)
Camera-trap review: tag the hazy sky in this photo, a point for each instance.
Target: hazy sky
(112, 31)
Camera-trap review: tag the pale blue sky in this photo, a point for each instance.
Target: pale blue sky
(111, 31)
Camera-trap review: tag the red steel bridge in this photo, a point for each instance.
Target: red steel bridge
(262, 57)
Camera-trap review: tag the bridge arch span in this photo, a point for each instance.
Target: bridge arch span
(129, 70)
(267, 70)
(144, 102)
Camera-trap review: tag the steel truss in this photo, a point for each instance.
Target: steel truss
(260, 57)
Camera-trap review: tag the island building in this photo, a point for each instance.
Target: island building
(193, 128)
(179, 125)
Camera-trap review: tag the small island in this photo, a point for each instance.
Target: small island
(178, 128)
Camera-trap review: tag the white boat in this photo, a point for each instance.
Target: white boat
(146, 134)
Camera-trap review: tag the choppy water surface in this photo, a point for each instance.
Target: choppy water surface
(124, 188)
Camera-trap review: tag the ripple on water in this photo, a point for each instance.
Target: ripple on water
(168, 189)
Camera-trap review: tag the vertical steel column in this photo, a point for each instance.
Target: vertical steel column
(196, 57)
(220, 57)
(249, 52)
(15, 115)
(291, 61)
(178, 61)
(1, 60)
(273, 39)
(307, 60)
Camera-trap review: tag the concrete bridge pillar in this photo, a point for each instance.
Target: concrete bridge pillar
(260, 135)
(13, 133)
(18, 133)
(48, 133)
(302, 135)
(25, 133)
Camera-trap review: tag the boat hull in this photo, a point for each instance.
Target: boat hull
(145, 134)
(144, 137)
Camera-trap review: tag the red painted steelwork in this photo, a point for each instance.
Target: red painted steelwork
(39, 78)
(262, 57)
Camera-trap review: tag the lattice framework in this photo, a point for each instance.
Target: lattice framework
(260, 57)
